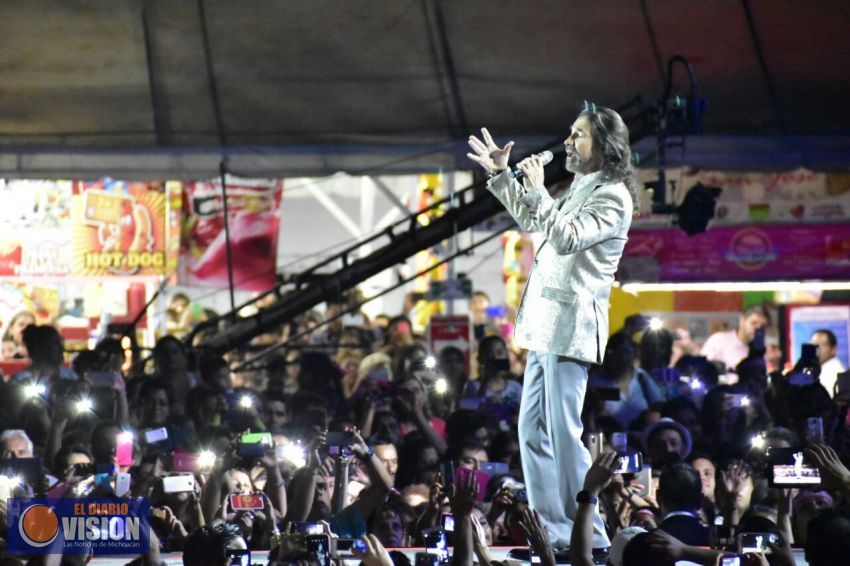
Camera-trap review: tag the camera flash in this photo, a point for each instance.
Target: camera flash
(441, 385)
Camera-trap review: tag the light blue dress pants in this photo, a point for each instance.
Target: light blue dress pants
(554, 460)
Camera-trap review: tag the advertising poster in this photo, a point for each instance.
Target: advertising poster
(254, 214)
(445, 331)
(803, 321)
(35, 228)
(125, 229)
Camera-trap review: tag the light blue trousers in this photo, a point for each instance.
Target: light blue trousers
(554, 460)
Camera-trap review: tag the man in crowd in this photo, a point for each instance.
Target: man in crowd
(732, 346)
(830, 365)
(680, 497)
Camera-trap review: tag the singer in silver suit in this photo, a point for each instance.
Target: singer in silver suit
(563, 315)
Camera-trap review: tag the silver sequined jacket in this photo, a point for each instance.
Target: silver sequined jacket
(564, 309)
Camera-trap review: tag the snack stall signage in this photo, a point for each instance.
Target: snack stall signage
(254, 217)
(35, 228)
(123, 229)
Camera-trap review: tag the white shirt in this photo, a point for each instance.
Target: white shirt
(829, 371)
(725, 347)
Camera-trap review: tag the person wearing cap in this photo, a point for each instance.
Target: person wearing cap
(619, 542)
(666, 442)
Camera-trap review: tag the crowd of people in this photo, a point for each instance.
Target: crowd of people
(361, 433)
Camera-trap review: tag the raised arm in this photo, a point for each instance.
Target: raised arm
(598, 476)
(380, 484)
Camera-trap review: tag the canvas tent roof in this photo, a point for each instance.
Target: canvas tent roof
(315, 86)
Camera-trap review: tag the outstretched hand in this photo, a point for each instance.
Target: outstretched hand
(487, 154)
(834, 474)
(601, 472)
(538, 538)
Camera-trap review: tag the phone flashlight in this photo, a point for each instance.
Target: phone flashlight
(441, 386)
(745, 401)
(656, 324)
(758, 442)
(695, 384)
(124, 437)
(10, 482)
(246, 402)
(291, 452)
(206, 459)
(84, 405)
(430, 362)
(34, 390)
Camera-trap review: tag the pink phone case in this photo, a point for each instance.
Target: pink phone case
(183, 462)
(124, 452)
(461, 475)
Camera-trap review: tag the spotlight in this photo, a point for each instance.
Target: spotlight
(656, 324)
(84, 405)
(246, 402)
(441, 386)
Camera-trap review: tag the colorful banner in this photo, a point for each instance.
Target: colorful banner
(254, 215)
(35, 228)
(88, 229)
(758, 197)
(450, 331)
(762, 253)
(125, 228)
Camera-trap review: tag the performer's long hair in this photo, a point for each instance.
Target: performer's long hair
(611, 145)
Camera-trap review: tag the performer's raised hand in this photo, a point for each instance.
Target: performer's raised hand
(487, 154)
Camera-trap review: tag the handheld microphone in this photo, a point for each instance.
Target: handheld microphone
(545, 157)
